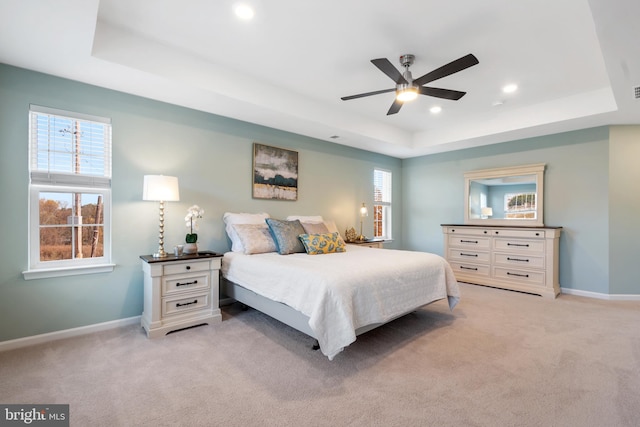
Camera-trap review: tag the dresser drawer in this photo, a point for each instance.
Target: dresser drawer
(469, 242)
(185, 267)
(184, 282)
(519, 276)
(519, 245)
(468, 231)
(469, 256)
(460, 268)
(523, 234)
(177, 305)
(519, 260)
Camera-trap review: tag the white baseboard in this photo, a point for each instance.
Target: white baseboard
(67, 333)
(610, 297)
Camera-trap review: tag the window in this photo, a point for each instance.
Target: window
(520, 205)
(381, 204)
(69, 193)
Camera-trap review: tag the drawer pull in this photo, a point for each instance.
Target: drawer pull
(195, 301)
(518, 244)
(474, 255)
(517, 259)
(516, 274)
(187, 283)
(469, 241)
(188, 267)
(469, 268)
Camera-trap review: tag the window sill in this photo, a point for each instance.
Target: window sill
(45, 273)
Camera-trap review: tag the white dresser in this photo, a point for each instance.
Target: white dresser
(518, 258)
(180, 292)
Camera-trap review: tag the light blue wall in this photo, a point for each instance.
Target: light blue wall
(211, 156)
(576, 198)
(624, 209)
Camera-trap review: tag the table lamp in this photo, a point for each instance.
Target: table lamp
(363, 213)
(162, 189)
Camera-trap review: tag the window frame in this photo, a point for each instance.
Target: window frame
(58, 182)
(385, 208)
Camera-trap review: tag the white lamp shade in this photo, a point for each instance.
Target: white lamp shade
(487, 211)
(161, 188)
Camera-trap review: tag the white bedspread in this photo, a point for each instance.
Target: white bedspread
(342, 292)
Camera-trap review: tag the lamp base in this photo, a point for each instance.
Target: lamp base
(160, 255)
(361, 238)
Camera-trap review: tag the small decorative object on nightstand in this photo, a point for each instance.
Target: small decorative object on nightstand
(350, 235)
(180, 291)
(193, 214)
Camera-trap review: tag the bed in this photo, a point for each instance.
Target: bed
(335, 297)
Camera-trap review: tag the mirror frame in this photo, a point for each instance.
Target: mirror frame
(536, 169)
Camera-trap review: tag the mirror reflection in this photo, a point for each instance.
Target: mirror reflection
(512, 197)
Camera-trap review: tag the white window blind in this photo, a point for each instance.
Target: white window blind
(69, 148)
(382, 186)
(382, 204)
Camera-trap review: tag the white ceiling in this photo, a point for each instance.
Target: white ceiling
(575, 61)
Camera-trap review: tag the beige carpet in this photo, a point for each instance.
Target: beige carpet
(499, 359)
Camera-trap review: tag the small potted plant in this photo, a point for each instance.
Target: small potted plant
(191, 220)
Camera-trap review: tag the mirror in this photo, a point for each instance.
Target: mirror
(505, 196)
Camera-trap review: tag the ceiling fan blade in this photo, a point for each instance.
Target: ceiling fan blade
(448, 69)
(395, 107)
(441, 93)
(361, 95)
(387, 67)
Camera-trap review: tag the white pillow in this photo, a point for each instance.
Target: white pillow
(331, 226)
(315, 218)
(256, 238)
(240, 218)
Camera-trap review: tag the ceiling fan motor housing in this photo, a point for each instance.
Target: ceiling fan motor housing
(406, 60)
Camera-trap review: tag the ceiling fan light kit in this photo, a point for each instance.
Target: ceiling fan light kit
(408, 89)
(408, 94)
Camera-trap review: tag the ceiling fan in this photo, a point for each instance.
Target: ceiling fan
(408, 89)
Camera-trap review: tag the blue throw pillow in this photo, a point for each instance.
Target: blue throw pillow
(285, 234)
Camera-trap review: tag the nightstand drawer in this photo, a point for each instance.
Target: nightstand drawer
(184, 282)
(185, 267)
(172, 306)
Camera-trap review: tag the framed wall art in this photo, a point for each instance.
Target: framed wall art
(275, 173)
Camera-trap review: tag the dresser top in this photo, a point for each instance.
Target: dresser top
(541, 227)
(199, 255)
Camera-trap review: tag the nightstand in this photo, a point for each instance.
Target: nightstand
(180, 291)
(370, 243)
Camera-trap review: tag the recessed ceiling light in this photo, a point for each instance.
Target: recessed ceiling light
(243, 11)
(510, 88)
(435, 110)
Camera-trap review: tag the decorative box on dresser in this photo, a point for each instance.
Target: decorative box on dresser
(517, 258)
(180, 291)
